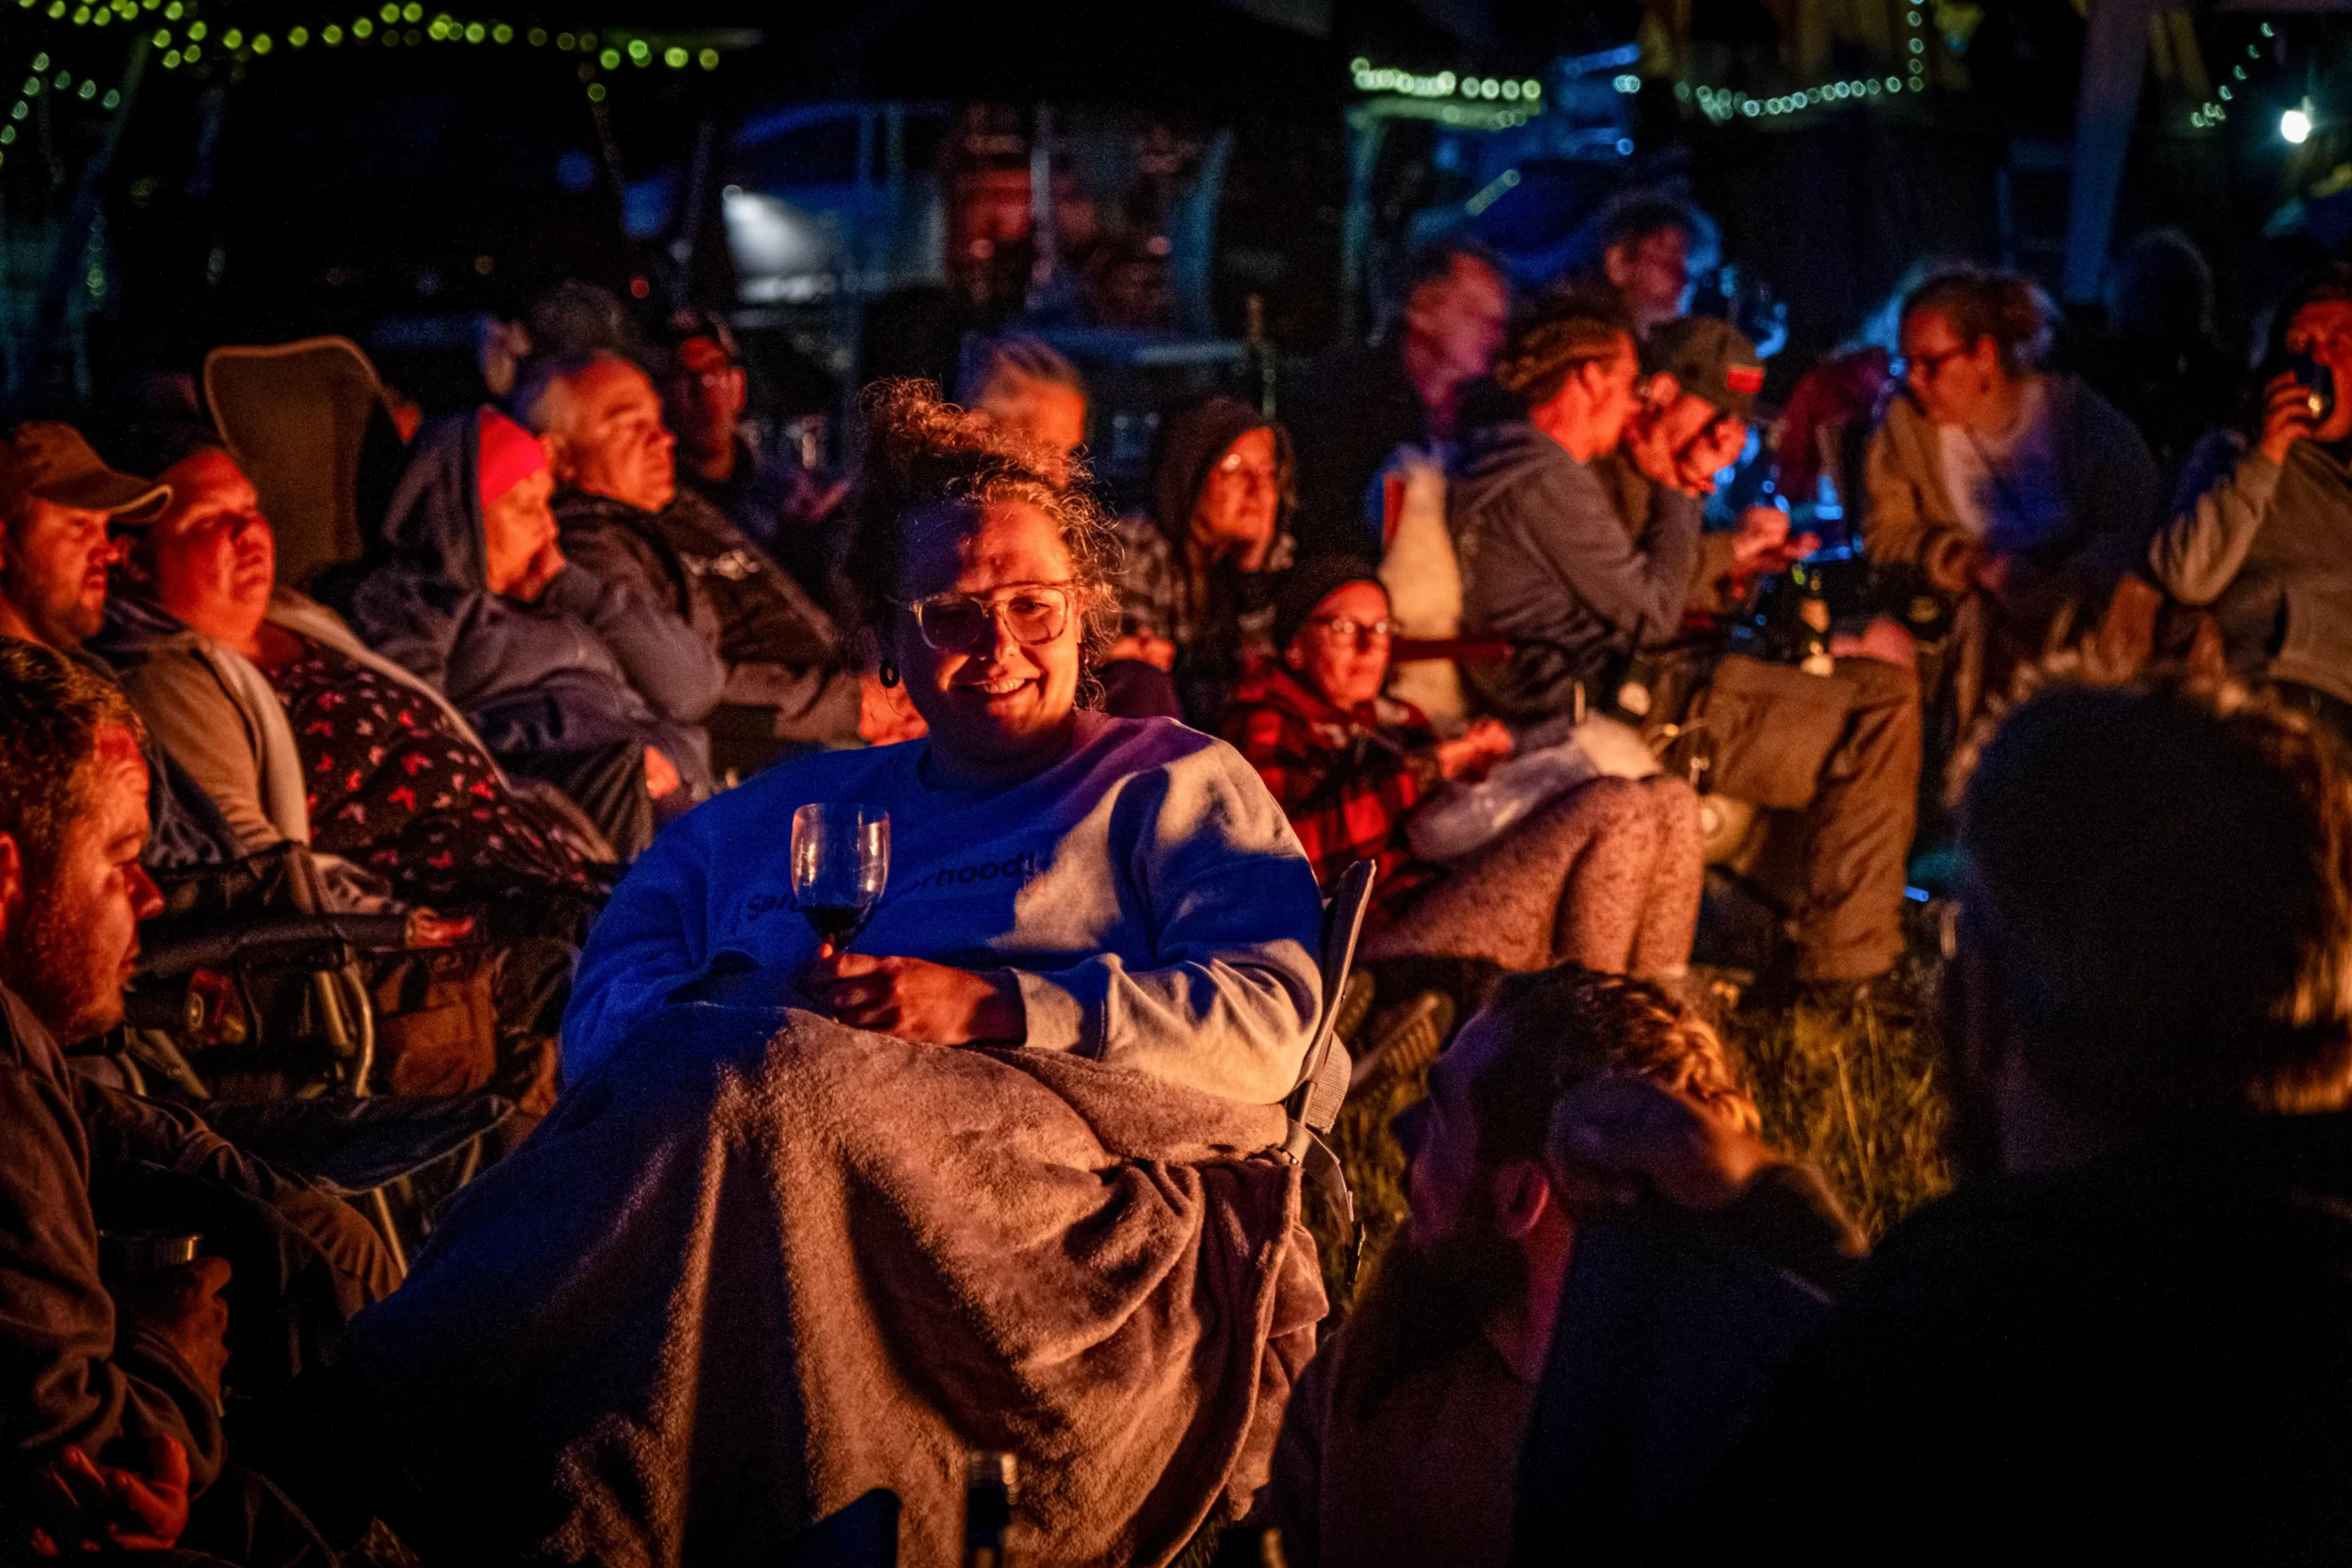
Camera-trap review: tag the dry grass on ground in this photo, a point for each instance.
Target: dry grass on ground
(1852, 1089)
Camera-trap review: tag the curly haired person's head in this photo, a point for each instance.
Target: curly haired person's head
(980, 569)
(1480, 1200)
(73, 824)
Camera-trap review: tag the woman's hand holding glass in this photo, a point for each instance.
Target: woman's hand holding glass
(914, 999)
(841, 865)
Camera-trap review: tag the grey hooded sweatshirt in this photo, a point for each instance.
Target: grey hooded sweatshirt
(583, 667)
(1547, 563)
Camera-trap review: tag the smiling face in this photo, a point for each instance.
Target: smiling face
(997, 706)
(53, 563)
(1707, 439)
(1337, 651)
(73, 931)
(212, 553)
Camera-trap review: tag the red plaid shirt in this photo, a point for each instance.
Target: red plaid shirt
(1346, 780)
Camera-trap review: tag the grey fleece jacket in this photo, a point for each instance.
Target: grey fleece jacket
(1547, 562)
(2268, 546)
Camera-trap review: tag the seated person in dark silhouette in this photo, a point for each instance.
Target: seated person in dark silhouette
(110, 1413)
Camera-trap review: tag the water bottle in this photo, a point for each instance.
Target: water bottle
(987, 1509)
(1812, 620)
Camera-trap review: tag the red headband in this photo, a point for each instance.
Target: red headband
(510, 455)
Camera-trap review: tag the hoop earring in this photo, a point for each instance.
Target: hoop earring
(887, 674)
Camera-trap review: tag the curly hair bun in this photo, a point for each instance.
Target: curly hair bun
(2010, 309)
(925, 458)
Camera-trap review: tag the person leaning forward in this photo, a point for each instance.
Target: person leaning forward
(1553, 560)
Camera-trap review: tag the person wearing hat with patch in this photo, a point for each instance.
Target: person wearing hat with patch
(1841, 752)
(1554, 560)
(1704, 375)
(58, 503)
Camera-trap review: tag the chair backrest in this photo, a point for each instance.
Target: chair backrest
(295, 417)
(1314, 1104)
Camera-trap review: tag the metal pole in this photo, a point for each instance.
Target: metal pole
(2115, 54)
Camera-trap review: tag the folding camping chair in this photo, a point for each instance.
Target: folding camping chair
(1314, 1104)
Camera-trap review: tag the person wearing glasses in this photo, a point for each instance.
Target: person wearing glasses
(1060, 880)
(1607, 875)
(1555, 561)
(1197, 573)
(2024, 491)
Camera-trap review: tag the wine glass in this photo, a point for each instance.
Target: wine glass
(840, 859)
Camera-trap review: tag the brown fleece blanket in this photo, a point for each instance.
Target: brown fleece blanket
(748, 1272)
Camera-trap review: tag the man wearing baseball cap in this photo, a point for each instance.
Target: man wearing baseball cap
(1841, 751)
(1704, 374)
(57, 501)
(1592, 574)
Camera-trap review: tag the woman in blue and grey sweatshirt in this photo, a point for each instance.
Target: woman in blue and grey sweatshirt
(1060, 880)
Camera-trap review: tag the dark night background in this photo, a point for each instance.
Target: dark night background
(399, 192)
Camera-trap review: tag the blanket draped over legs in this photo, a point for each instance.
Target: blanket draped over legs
(761, 1263)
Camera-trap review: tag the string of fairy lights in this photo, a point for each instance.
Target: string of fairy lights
(1722, 104)
(180, 39)
(2214, 110)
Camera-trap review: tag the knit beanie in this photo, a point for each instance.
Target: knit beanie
(510, 455)
(1307, 585)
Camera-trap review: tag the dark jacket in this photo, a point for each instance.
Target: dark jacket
(586, 666)
(2268, 546)
(1547, 563)
(69, 1371)
(1672, 1327)
(2145, 1359)
(777, 646)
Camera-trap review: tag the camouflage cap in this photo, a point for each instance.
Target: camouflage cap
(52, 462)
(1711, 358)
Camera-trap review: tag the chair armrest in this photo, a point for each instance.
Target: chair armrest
(171, 954)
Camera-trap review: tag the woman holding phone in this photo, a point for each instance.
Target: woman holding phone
(1058, 880)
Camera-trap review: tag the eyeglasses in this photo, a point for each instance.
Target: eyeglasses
(1034, 613)
(1926, 364)
(1345, 629)
(1232, 467)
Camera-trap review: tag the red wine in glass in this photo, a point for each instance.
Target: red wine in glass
(836, 923)
(840, 861)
